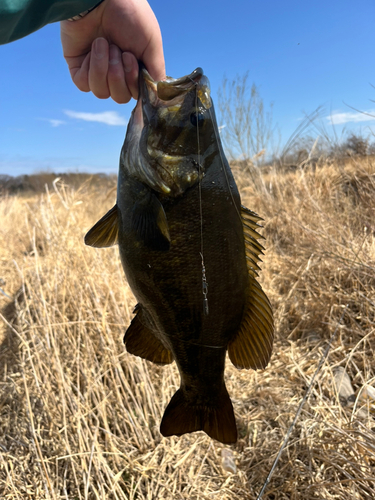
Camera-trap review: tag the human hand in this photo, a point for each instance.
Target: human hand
(103, 48)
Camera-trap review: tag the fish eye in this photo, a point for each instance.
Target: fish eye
(197, 119)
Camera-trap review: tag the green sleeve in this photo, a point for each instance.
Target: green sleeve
(19, 18)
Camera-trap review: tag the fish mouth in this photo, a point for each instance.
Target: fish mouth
(160, 119)
(171, 88)
(172, 91)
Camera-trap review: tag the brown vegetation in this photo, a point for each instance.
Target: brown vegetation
(79, 416)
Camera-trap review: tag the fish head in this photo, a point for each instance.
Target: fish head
(171, 133)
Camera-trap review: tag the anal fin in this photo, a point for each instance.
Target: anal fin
(105, 232)
(141, 341)
(252, 345)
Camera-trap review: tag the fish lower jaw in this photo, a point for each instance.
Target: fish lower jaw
(159, 154)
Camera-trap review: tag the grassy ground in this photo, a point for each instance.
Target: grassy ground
(79, 416)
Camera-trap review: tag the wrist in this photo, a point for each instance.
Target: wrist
(84, 13)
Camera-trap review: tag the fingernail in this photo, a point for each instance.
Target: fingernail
(99, 47)
(127, 61)
(114, 54)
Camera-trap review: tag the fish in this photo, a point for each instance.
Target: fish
(190, 252)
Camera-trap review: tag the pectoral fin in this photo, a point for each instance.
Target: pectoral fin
(105, 232)
(141, 341)
(149, 223)
(252, 345)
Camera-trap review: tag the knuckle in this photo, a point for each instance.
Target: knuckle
(100, 94)
(116, 74)
(82, 88)
(121, 99)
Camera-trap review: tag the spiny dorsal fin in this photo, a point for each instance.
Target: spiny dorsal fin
(252, 345)
(250, 216)
(105, 232)
(141, 341)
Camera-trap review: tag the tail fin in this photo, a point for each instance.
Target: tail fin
(218, 422)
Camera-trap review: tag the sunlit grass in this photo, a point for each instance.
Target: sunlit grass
(79, 417)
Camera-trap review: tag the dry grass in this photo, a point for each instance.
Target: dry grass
(79, 416)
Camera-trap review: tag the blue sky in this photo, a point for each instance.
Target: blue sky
(300, 54)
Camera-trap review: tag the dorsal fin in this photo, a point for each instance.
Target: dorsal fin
(252, 345)
(105, 232)
(141, 341)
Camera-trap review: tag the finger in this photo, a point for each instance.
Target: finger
(79, 71)
(131, 73)
(116, 77)
(153, 58)
(99, 68)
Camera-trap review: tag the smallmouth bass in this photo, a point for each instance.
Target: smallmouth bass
(190, 252)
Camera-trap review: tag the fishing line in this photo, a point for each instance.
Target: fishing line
(200, 177)
(190, 342)
(307, 394)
